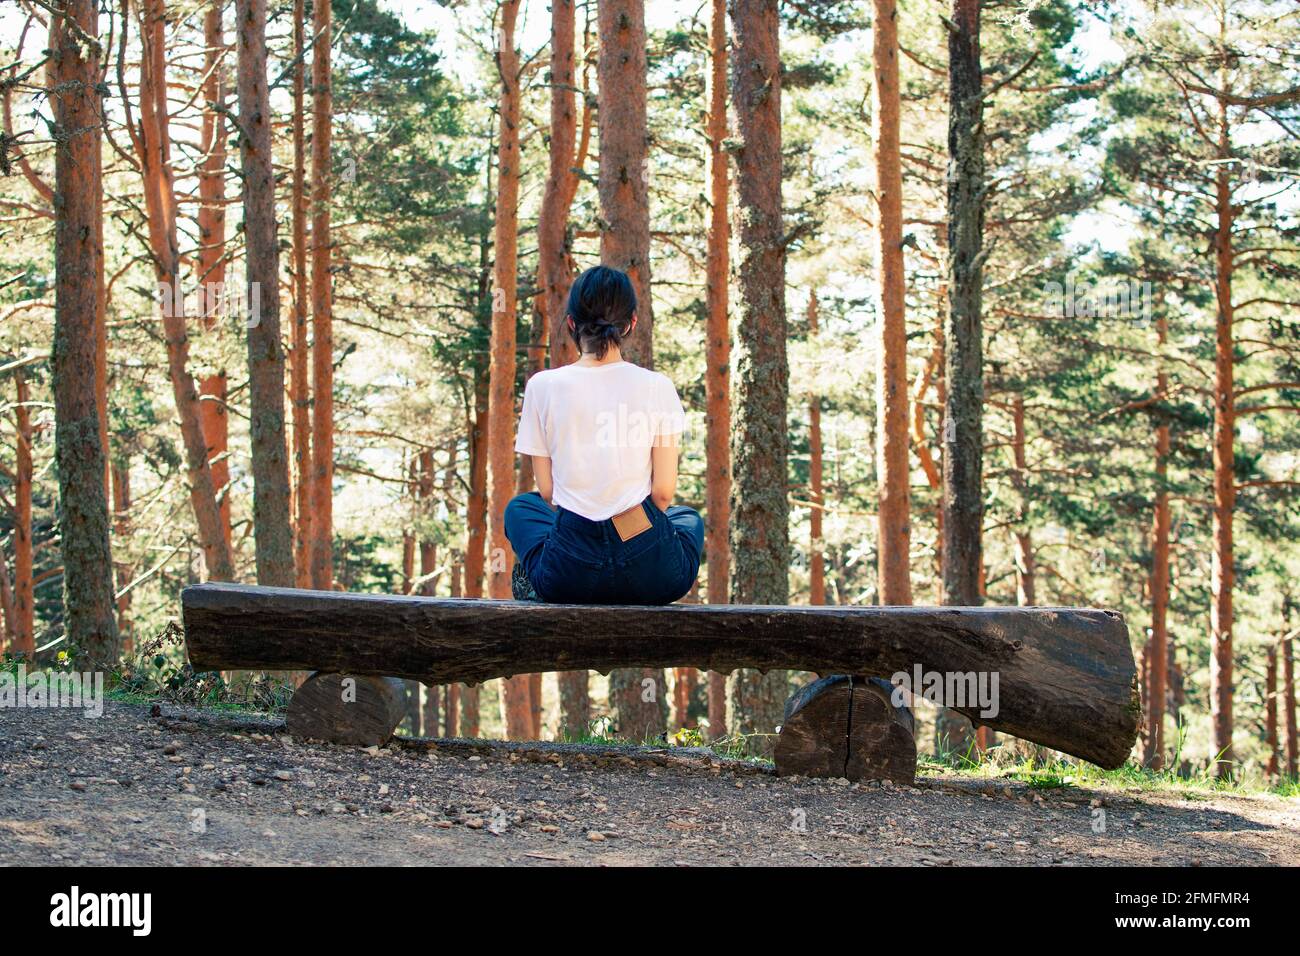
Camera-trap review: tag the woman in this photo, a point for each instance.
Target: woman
(604, 436)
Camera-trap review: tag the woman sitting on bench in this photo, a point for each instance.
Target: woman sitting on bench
(604, 437)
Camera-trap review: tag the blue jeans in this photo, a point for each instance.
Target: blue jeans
(570, 559)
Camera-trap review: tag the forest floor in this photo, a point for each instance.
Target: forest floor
(167, 785)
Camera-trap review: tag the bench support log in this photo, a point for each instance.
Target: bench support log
(359, 710)
(1066, 675)
(847, 727)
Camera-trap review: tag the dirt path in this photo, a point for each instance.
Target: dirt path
(200, 788)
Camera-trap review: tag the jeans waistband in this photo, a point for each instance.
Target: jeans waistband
(572, 521)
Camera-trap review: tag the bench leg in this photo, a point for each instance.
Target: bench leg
(342, 709)
(847, 727)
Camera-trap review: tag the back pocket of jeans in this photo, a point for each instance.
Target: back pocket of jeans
(654, 576)
(564, 579)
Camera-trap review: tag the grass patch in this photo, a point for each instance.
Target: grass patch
(600, 732)
(1056, 773)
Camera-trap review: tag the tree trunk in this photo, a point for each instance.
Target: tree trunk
(160, 209)
(7, 642)
(574, 693)
(1026, 589)
(816, 553)
(89, 622)
(963, 438)
(428, 547)
(469, 711)
(432, 710)
(1270, 712)
(322, 305)
(211, 276)
(554, 264)
(516, 692)
(121, 478)
(1153, 756)
(1222, 573)
(451, 692)
(760, 536)
(717, 359)
(640, 709)
(893, 467)
(685, 680)
(478, 425)
(1288, 703)
(451, 711)
(717, 488)
(575, 703)
(963, 360)
(300, 355)
(717, 692)
(24, 640)
(408, 562)
(623, 181)
(272, 528)
(476, 505)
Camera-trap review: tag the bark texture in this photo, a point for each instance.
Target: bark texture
(272, 527)
(963, 430)
(1288, 703)
(554, 260)
(623, 180)
(717, 369)
(893, 468)
(760, 537)
(1222, 571)
(517, 691)
(964, 372)
(211, 278)
(24, 597)
(322, 304)
(816, 498)
(1157, 672)
(300, 353)
(89, 621)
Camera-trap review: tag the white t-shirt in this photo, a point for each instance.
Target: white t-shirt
(597, 424)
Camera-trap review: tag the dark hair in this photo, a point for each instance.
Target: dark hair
(601, 304)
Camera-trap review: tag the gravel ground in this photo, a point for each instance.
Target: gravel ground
(166, 786)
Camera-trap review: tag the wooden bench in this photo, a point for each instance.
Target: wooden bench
(1065, 676)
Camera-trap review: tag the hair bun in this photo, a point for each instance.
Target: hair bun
(602, 305)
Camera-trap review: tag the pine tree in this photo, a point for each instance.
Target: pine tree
(272, 528)
(760, 537)
(89, 623)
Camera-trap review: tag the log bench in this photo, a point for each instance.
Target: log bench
(1066, 676)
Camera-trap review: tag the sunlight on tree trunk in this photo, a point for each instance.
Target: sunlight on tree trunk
(89, 622)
